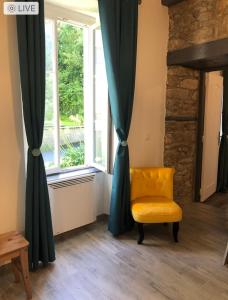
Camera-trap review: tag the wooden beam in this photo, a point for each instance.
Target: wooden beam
(181, 118)
(207, 56)
(170, 2)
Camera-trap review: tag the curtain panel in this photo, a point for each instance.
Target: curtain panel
(222, 181)
(38, 224)
(119, 22)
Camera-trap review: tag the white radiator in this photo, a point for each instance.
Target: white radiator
(72, 203)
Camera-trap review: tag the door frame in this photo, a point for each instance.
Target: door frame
(205, 57)
(200, 134)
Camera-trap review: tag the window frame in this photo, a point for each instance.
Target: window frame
(109, 136)
(55, 14)
(56, 96)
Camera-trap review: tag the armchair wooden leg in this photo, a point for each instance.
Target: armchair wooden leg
(141, 233)
(175, 231)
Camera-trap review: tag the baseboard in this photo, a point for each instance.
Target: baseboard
(102, 217)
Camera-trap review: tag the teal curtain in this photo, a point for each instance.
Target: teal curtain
(222, 181)
(119, 22)
(38, 224)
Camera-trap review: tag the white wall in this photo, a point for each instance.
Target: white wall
(146, 140)
(147, 131)
(100, 182)
(12, 175)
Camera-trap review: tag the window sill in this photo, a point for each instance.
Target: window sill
(71, 174)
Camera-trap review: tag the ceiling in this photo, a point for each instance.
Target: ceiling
(87, 7)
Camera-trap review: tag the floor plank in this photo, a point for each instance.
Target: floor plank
(91, 264)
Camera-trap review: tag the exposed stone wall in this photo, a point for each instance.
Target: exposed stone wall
(182, 92)
(191, 22)
(180, 152)
(180, 138)
(197, 21)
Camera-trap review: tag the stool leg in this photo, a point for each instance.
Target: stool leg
(25, 272)
(15, 270)
(141, 233)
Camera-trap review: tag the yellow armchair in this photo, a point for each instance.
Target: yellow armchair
(152, 199)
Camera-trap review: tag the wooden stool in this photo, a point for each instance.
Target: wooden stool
(14, 248)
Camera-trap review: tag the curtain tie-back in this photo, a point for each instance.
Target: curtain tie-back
(36, 152)
(124, 143)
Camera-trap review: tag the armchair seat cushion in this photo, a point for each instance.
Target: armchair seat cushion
(155, 210)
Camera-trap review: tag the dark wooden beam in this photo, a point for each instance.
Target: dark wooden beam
(181, 118)
(207, 56)
(170, 2)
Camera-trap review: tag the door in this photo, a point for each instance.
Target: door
(212, 123)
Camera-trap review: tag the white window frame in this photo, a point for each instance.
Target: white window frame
(55, 13)
(109, 137)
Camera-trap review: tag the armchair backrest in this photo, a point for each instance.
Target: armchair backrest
(152, 182)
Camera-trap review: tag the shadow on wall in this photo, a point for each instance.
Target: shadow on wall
(18, 119)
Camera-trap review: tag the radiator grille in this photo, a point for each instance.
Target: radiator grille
(69, 182)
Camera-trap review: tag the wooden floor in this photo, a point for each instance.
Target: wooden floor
(218, 200)
(93, 265)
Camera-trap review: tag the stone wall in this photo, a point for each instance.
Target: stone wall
(180, 137)
(197, 21)
(191, 22)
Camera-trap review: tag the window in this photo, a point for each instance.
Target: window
(76, 113)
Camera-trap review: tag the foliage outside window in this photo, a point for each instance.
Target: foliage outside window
(70, 97)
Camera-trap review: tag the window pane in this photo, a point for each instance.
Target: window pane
(71, 98)
(49, 148)
(101, 104)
